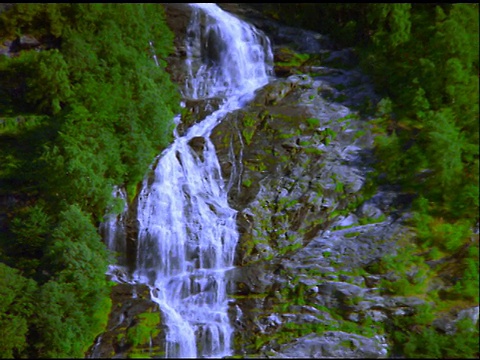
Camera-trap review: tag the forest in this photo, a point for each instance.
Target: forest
(84, 108)
(83, 111)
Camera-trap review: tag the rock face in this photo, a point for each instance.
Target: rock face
(295, 160)
(312, 227)
(134, 328)
(335, 344)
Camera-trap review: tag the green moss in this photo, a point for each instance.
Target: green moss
(145, 328)
(313, 123)
(352, 234)
(121, 335)
(249, 296)
(359, 134)
(339, 187)
(355, 300)
(370, 220)
(249, 122)
(294, 59)
(247, 182)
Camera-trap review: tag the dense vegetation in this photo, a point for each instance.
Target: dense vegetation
(424, 60)
(83, 108)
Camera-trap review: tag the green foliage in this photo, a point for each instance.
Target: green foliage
(444, 149)
(313, 123)
(291, 59)
(49, 75)
(392, 22)
(408, 271)
(145, 328)
(428, 343)
(85, 110)
(76, 252)
(465, 342)
(30, 229)
(468, 285)
(83, 87)
(249, 127)
(447, 236)
(60, 324)
(247, 182)
(31, 226)
(72, 304)
(17, 306)
(442, 129)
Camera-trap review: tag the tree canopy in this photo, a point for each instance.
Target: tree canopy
(83, 108)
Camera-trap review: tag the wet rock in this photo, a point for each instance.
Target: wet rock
(448, 322)
(5, 48)
(335, 344)
(28, 41)
(132, 309)
(252, 279)
(339, 295)
(197, 144)
(445, 325)
(405, 301)
(303, 162)
(376, 315)
(471, 313)
(350, 248)
(177, 17)
(349, 220)
(24, 42)
(343, 58)
(369, 210)
(372, 281)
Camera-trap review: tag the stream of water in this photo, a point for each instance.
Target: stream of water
(187, 232)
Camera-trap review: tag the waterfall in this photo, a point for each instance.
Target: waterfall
(225, 56)
(114, 234)
(187, 232)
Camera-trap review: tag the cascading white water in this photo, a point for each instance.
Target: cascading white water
(187, 231)
(225, 56)
(114, 234)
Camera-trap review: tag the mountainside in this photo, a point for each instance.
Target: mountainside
(353, 174)
(327, 260)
